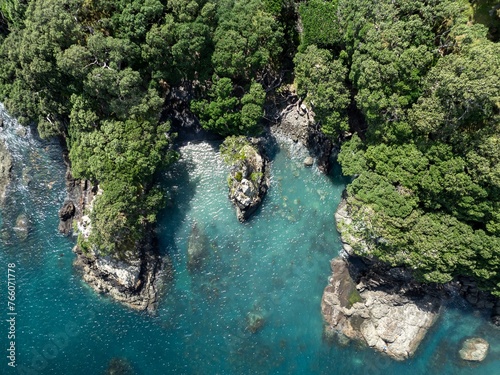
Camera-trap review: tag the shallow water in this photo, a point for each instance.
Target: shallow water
(274, 266)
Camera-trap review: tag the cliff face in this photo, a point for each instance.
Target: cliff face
(136, 280)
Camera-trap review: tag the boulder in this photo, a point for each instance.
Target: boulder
(474, 349)
(308, 161)
(296, 122)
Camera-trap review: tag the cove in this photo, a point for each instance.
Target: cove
(276, 265)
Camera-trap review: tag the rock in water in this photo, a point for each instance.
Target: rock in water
(255, 321)
(5, 168)
(474, 349)
(248, 180)
(66, 214)
(377, 310)
(22, 227)
(308, 162)
(197, 248)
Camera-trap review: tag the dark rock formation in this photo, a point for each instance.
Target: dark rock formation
(248, 181)
(198, 248)
(474, 349)
(80, 194)
(255, 321)
(119, 366)
(5, 169)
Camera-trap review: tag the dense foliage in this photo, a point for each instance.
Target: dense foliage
(427, 192)
(423, 77)
(97, 72)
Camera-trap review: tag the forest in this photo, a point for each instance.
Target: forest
(410, 90)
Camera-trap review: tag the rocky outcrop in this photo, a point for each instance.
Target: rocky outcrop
(382, 308)
(248, 180)
(5, 169)
(136, 281)
(474, 349)
(297, 123)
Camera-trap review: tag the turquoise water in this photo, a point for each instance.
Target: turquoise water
(275, 266)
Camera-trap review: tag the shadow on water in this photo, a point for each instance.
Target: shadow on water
(181, 188)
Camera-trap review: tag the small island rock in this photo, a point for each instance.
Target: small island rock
(474, 349)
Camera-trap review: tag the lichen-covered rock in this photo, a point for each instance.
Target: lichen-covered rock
(248, 180)
(474, 349)
(5, 169)
(380, 311)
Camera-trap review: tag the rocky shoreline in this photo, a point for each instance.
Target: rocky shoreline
(5, 169)
(380, 307)
(136, 281)
(297, 123)
(384, 307)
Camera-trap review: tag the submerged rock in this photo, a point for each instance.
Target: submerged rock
(22, 227)
(255, 321)
(198, 247)
(5, 169)
(119, 366)
(474, 349)
(385, 313)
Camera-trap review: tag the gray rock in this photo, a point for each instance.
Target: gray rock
(5, 169)
(474, 349)
(382, 317)
(21, 131)
(297, 123)
(308, 162)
